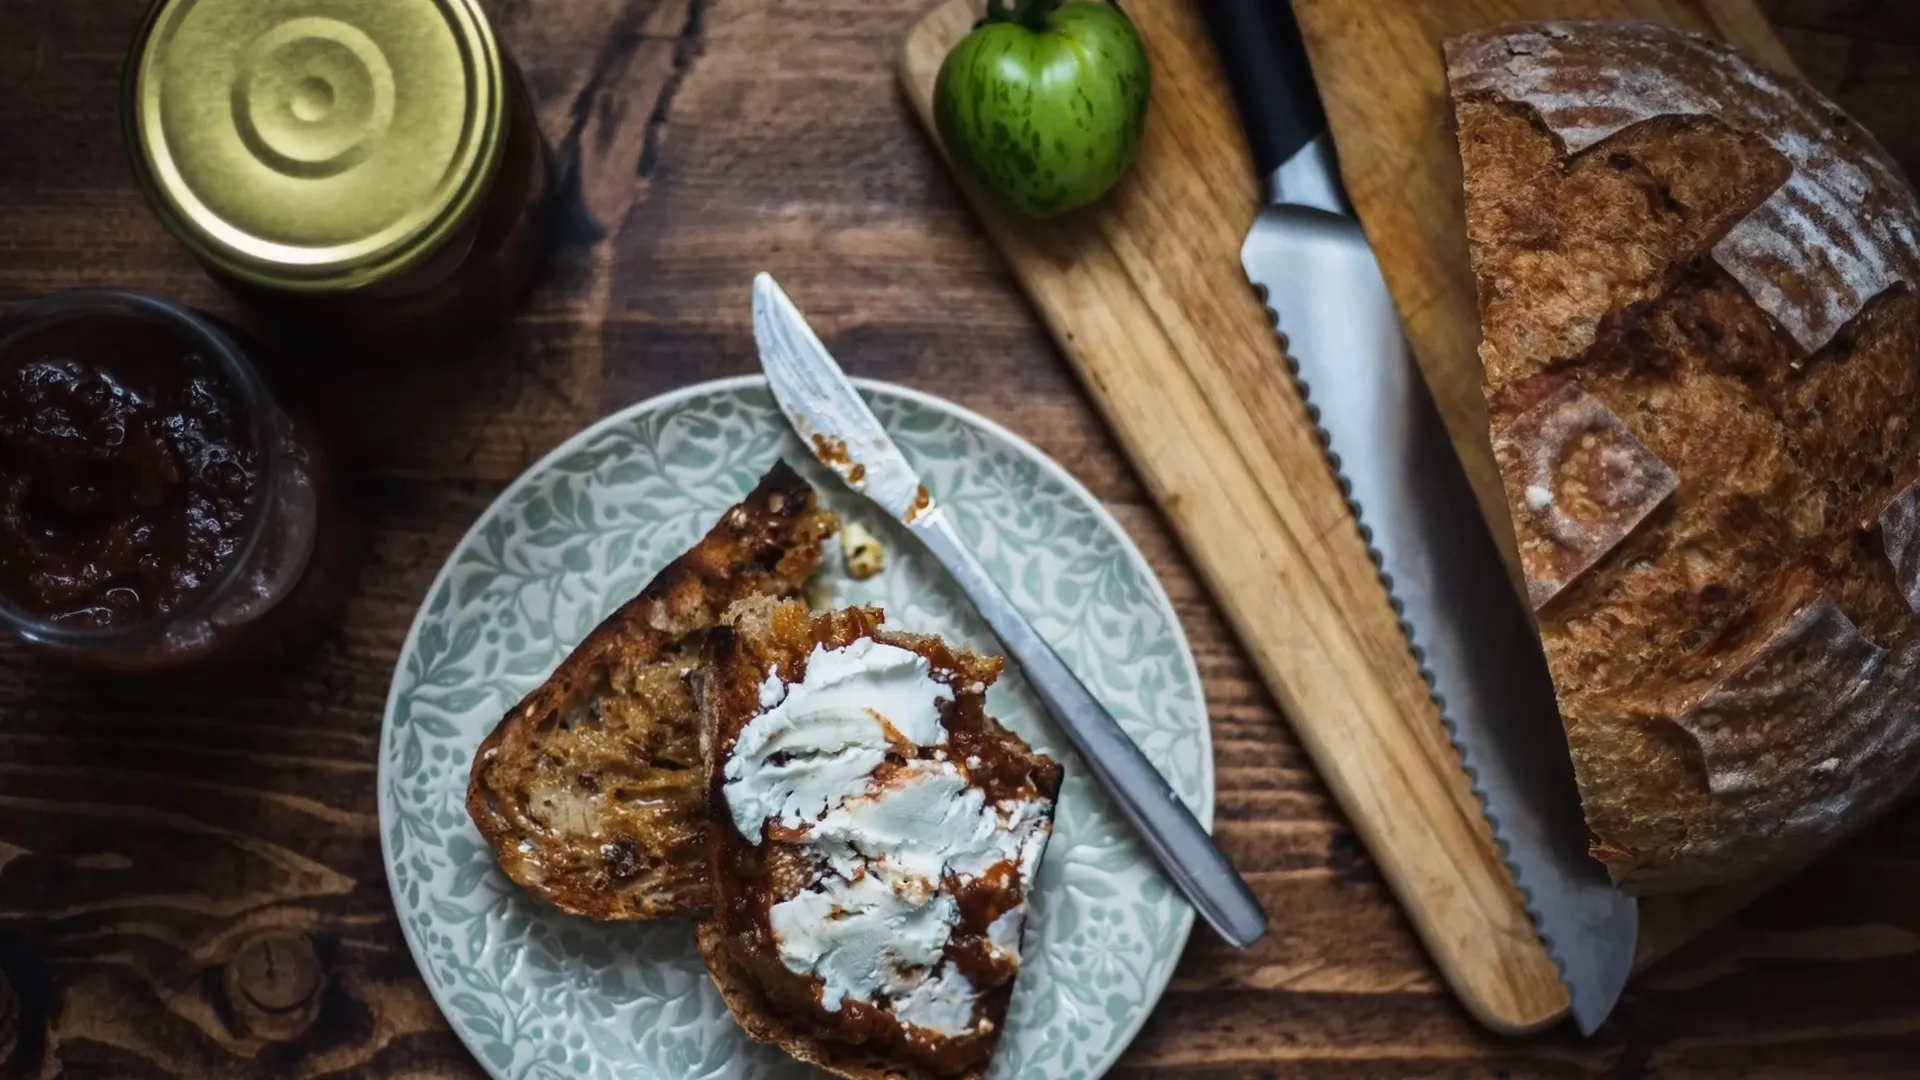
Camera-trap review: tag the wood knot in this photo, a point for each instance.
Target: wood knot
(273, 985)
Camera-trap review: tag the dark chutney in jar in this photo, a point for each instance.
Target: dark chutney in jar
(157, 508)
(127, 474)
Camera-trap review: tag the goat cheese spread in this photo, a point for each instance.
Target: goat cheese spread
(892, 843)
(823, 735)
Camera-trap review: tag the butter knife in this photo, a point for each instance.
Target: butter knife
(837, 426)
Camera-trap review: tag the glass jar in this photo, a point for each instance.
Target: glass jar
(371, 169)
(158, 509)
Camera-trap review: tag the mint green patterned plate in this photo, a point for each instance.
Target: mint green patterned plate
(538, 995)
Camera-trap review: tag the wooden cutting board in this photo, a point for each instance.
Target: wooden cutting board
(1145, 297)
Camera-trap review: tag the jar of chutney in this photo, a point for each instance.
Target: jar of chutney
(159, 509)
(369, 168)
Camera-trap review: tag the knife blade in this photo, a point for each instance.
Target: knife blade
(1312, 267)
(835, 423)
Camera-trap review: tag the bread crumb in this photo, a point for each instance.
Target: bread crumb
(1538, 497)
(861, 551)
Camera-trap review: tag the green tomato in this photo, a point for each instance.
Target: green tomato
(1043, 106)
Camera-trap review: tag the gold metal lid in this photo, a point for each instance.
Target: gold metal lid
(315, 145)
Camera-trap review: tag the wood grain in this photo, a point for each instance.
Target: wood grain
(152, 841)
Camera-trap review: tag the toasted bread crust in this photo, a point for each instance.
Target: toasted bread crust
(771, 1004)
(590, 790)
(757, 1017)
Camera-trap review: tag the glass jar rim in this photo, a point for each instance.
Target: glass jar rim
(198, 331)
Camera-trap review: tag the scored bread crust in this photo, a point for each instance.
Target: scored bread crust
(764, 632)
(1696, 289)
(591, 790)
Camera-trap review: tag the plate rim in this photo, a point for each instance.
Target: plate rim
(733, 384)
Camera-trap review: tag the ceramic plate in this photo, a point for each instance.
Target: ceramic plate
(538, 995)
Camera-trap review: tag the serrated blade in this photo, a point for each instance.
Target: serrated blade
(1465, 624)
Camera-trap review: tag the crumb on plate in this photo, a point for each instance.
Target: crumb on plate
(862, 551)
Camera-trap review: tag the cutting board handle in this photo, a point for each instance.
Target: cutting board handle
(1266, 65)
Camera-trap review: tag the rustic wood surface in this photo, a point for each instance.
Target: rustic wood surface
(190, 881)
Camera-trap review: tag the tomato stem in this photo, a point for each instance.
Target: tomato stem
(1031, 14)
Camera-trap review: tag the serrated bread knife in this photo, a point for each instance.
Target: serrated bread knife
(1312, 266)
(836, 424)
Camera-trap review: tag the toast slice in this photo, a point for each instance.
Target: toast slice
(591, 790)
(873, 833)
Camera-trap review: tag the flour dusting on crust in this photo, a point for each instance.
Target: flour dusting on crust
(1829, 240)
(1585, 482)
(1790, 734)
(1900, 539)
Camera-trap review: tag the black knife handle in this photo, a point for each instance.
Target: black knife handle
(1266, 64)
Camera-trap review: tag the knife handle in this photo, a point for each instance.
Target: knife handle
(1175, 836)
(1266, 66)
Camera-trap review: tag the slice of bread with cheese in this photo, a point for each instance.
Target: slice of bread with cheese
(873, 835)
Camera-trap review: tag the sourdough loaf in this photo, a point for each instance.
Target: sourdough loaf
(1702, 365)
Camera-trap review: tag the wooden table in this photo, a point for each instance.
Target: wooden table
(190, 881)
